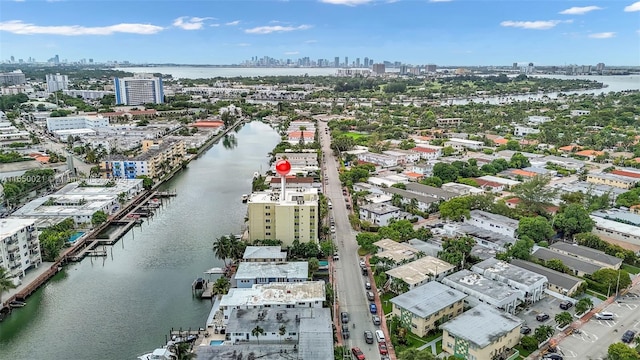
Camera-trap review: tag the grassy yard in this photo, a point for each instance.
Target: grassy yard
(386, 304)
(631, 269)
(598, 295)
(355, 136)
(523, 353)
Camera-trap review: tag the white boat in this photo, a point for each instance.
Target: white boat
(159, 354)
(245, 198)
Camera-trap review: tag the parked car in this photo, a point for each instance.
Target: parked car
(604, 316)
(345, 317)
(370, 296)
(373, 308)
(376, 319)
(367, 285)
(525, 330)
(553, 356)
(368, 337)
(357, 353)
(628, 336)
(542, 317)
(382, 348)
(345, 331)
(565, 305)
(380, 336)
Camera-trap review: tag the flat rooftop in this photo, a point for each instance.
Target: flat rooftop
(394, 250)
(509, 271)
(428, 299)
(98, 187)
(292, 194)
(12, 225)
(264, 252)
(588, 253)
(572, 262)
(420, 270)
(280, 270)
(259, 351)
(275, 293)
(486, 235)
(90, 204)
(500, 180)
(480, 284)
(619, 216)
(482, 325)
(615, 225)
(557, 278)
(379, 209)
(495, 218)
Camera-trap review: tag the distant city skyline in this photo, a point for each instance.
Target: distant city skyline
(414, 32)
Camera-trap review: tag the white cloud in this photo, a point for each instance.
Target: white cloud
(18, 0)
(436, 1)
(187, 23)
(577, 10)
(233, 23)
(346, 2)
(602, 35)
(633, 7)
(22, 28)
(214, 25)
(276, 28)
(243, 44)
(535, 25)
(292, 52)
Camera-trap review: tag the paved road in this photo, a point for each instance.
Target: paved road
(596, 335)
(350, 292)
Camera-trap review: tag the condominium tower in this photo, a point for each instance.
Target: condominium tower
(139, 89)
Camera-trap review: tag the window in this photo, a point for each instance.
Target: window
(267, 234)
(267, 227)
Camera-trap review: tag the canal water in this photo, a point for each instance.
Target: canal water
(122, 306)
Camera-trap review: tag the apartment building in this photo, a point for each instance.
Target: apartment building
(139, 89)
(294, 217)
(619, 181)
(379, 214)
(76, 122)
(483, 290)
(382, 160)
(421, 271)
(531, 284)
(463, 144)
(448, 122)
(482, 333)
(78, 207)
(57, 82)
(425, 307)
(493, 222)
(428, 152)
(558, 282)
(159, 158)
(19, 246)
(251, 273)
(264, 254)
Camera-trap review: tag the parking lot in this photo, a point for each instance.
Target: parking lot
(595, 336)
(548, 305)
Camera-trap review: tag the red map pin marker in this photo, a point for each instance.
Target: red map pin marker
(283, 167)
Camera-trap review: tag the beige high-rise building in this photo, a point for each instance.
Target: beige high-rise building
(293, 218)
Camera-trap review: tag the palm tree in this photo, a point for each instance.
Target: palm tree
(563, 318)
(5, 281)
(183, 351)
(282, 331)
(257, 331)
(222, 248)
(583, 305)
(543, 332)
(221, 286)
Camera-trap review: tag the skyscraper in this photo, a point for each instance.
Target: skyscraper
(357, 62)
(57, 82)
(336, 62)
(139, 89)
(346, 61)
(366, 62)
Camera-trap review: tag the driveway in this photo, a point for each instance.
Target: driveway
(349, 282)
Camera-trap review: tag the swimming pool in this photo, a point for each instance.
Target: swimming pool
(75, 237)
(323, 263)
(215, 342)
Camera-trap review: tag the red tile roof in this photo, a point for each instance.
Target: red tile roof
(523, 173)
(626, 173)
(424, 150)
(297, 134)
(589, 153)
(215, 123)
(485, 183)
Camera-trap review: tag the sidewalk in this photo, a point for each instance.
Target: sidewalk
(432, 345)
(383, 316)
(29, 277)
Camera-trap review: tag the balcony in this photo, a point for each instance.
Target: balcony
(13, 248)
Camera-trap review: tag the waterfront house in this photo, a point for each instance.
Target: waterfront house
(423, 308)
(252, 273)
(264, 254)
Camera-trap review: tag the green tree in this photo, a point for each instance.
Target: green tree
(221, 286)
(281, 331)
(536, 228)
(521, 249)
(534, 194)
(455, 209)
(583, 305)
(564, 318)
(257, 332)
(529, 343)
(183, 351)
(5, 281)
(415, 354)
(446, 172)
(621, 351)
(99, 217)
(573, 219)
(519, 161)
(314, 265)
(613, 279)
(557, 265)
(222, 248)
(456, 251)
(147, 182)
(543, 332)
(399, 230)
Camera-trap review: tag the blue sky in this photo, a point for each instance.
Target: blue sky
(455, 32)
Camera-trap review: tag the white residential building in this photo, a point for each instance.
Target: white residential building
(308, 294)
(537, 120)
(19, 246)
(580, 112)
(252, 273)
(493, 222)
(428, 152)
(462, 144)
(139, 89)
(524, 131)
(379, 214)
(378, 159)
(76, 122)
(79, 207)
(403, 156)
(530, 283)
(462, 189)
(483, 290)
(264, 254)
(57, 82)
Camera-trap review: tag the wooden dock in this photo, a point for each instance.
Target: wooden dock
(208, 292)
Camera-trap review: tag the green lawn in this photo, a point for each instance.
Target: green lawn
(354, 136)
(386, 304)
(598, 295)
(523, 353)
(631, 269)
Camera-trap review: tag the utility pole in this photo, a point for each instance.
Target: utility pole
(618, 284)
